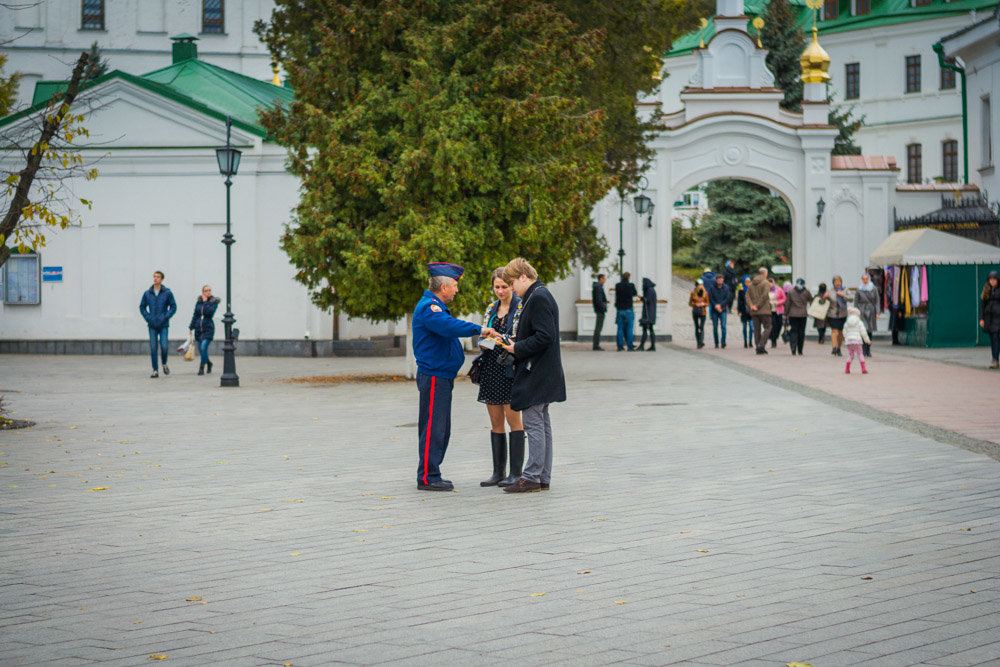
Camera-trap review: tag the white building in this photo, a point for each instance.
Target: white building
(978, 47)
(43, 38)
(882, 62)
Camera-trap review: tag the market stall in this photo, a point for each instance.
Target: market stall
(933, 280)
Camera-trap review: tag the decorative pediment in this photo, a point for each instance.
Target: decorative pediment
(732, 60)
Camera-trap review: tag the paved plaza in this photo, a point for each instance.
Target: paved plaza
(702, 511)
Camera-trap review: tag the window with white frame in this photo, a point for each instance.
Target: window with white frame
(21, 280)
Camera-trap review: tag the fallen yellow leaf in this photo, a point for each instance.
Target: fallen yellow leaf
(196, 598)
(798, 664)
(157, 656)
(388, 498)
(295, 553)
(584, 572)
(702, 551)
(98, 488)
(136, 622)
(537, 595)
(266, 509)
(360, 530)
(292, 500)
(621, 601)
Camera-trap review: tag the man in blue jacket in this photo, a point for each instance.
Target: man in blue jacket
(439, 355)
(719, 298)
(157, 307)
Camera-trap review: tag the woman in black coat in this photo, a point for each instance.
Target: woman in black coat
(203, 326)
(648, 318)
(989, 314)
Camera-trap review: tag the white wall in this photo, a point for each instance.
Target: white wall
(43, 37)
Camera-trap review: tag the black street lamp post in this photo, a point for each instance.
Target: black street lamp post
(643, 205)
(229, 163)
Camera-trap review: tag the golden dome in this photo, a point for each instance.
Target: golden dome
(815, 62)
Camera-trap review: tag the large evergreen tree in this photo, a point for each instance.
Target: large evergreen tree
(746, 224)
(434, 130)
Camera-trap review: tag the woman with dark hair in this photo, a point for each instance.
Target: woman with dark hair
(495, 381)
(989, 314)
(743, 308)
(837, 315)
(820, 323)
(648, 314)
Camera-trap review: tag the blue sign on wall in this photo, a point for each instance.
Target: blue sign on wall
(51, 274)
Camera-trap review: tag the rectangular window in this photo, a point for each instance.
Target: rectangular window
(92, 15)
(913, 74)
(862, 7)
(852, 81)
(949, 160)
(831, 9)
(987, 120)
(913, 163)
(947, 78)
(21, 280)
(213, 17)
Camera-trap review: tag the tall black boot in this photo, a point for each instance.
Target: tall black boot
(516, 457)
(498, 441)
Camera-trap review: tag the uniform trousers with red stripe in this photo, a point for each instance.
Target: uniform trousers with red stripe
(433, 425)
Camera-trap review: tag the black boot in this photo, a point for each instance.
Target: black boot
(498, 441)
(516, 457)
(209, 370)
(201, 369)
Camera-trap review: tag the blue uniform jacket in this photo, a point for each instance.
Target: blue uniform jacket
(436, 334)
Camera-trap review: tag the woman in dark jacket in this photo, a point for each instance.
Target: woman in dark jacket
(648, 318)
(797, 310)
(203, 326)
(743, 308)
(495, 380)
(989, 314)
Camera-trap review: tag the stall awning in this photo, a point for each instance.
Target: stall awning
(931, 246)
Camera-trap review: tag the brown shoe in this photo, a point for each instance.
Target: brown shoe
(522, 486)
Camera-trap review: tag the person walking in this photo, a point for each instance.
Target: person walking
(797, 310)
(819, 301)
(698, 300)
(495, 381)
(866, 299)
(648, 318)
(439, 355)
(600, 301)
(855, 336)
(777, 298)
(625, 317)
(203, 327)
(719, 299)
(743, 308)
(836, 315)
(989, 314)
(729, 277)
(759, 297)
(538, 373)
(157, 306)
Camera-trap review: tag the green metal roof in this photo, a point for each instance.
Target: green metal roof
(883, 13)
(210, 89)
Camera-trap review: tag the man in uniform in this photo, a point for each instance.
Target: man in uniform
(439, 355)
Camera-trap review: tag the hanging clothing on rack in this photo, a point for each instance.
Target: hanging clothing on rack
(923, 284)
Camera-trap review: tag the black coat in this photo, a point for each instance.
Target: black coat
(598, 297)
(538, 371)
(989, 311)
(201, 321)
(648, 302)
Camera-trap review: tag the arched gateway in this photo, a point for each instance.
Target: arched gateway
(731, 127)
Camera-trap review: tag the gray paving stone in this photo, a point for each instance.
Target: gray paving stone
(791, 521)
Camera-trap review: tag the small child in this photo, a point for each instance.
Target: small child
(855, 334)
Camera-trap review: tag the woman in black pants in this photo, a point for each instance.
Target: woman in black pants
(797, 310)
(989, 314)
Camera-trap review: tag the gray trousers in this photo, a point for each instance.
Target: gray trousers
(538, 428)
